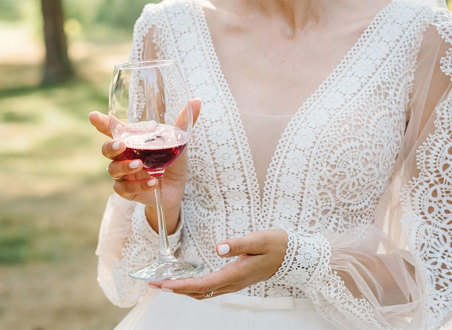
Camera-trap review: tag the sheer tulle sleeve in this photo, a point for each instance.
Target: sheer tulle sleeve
(439, 3)
(399, 273)
(126, 241)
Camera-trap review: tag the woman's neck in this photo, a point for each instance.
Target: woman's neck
(295, 15)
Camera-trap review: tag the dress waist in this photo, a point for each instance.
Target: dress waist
(169, 311)
(260, 303)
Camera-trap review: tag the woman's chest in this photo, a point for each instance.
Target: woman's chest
(270, 73)
(336, 151)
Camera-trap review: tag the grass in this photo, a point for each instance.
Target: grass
(54, 189)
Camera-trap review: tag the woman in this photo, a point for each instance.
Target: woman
(302, 166)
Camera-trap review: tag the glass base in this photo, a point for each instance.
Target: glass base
(172, 270)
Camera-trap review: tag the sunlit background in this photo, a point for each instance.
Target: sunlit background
(53, 180)
(52, 176)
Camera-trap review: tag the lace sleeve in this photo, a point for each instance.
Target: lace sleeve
(397, 272)
(126, 241)
(439, 3)
(427, 199)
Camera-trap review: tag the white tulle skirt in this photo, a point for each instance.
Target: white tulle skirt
(168, 311)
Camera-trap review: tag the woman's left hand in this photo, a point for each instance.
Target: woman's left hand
(260, 254)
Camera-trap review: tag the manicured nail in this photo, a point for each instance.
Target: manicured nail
(115, 145)
(152, 182)
(166, 290)
(223, 249)
(134, 164)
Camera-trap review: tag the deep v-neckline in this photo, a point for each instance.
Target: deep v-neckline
(261, 200)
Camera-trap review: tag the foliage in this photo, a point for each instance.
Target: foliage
(54, 191)
(15, 241)
(9, 10)
(112, 13)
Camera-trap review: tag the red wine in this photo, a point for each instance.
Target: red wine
(155, 159)
(157, 145)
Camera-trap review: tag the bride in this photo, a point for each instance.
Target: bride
(317, 186)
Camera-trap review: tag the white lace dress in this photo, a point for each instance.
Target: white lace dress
(361, 179)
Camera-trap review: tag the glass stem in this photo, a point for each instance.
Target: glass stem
(165, 254)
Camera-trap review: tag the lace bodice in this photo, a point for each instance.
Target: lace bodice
(338, 162)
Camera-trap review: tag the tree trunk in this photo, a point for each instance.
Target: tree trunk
(57, 65)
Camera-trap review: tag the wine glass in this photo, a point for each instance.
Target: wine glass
(149, 110)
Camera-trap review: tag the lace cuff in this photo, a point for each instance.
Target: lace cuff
(306, 258)
(143, 229)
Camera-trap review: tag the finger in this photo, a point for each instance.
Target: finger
(254, 243)
(218, 292)
(113, 149)
(127, 187)
(140, 175)
(196, 109)
(202, 296)
(225, 289)
(124, 167)
(100, 122)
(221, 291)
(153, 286)
(210, 282)
(195, 106)
(156, 284)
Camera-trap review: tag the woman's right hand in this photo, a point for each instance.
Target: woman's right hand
(132, 182)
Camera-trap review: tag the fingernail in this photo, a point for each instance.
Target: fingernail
(166, 290)
(153, 287)
(115, 145)
(152, 182)
(223, 249)
(134, 164)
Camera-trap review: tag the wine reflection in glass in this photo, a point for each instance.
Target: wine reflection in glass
(150, 112)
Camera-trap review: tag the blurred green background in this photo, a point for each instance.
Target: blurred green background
(53, 178)
(52, 174)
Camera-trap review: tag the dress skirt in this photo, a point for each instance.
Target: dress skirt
(169, 311)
